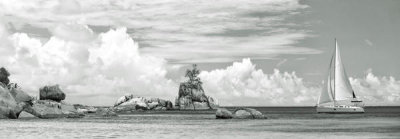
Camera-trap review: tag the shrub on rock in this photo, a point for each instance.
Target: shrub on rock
(4, 74)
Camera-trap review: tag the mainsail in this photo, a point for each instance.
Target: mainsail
(337, 86)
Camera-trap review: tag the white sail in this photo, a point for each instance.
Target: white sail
(326, 94)
(342, 88)
(337, 86)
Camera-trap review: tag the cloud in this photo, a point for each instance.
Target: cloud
(368, 42)
(281, 62)
(178, 31)
(94, 71)
(243, 84)
(377, 90)
(73, 32)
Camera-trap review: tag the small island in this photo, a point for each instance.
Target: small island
(191, 93)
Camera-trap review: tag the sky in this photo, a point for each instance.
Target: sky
(251, 53)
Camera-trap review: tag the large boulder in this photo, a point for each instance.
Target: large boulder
(196, 102)
(137, 102)
(51, 93)
(12, 99)
(85, 109)
(130, 103)
(223, 113)
(248, 113)
(106, 112)
(12, 102)
(198, 95)
(18, 94)
(52, 109)
(8, 105)
(243, 114)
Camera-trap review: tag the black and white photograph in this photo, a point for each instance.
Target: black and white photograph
(200, 69)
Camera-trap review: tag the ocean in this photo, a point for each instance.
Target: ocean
(283, 122)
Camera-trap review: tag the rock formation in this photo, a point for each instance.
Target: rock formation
(240, 113)
(223, 113)
(52, 109)
(51, 93)
(131, 103)
(13, 101)
(11, 105)
(51, 105)
(105, 112)
(85, 109)
(191, 93)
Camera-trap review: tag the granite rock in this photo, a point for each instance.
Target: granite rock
(12, 104)
(51, 93)
(223, 113)
(52, 109)
(106, 112)
(248, 113)
(191, 95)
(130, 103)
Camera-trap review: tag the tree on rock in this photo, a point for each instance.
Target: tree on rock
(191, 93)
(194, 81)
(4, 74)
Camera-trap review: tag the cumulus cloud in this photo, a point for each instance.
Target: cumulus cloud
(73, 32)
(377, 90)
(94, 71)
(95, 66)
(243, 84)
(179, 31)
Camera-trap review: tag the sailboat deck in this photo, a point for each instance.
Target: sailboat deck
(340, 109)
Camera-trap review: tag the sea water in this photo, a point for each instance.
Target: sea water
(283, 122)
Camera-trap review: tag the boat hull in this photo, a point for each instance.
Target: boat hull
(340, 109)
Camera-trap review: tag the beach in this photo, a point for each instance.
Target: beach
(283, 122)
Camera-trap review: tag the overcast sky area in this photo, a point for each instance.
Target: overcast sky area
(251, 53)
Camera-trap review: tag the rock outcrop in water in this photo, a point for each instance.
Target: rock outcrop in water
(11, 105)
(131, 103)
(51, 105)
(51, 93)
(106, 112)
(52, 109)
(13, 101)
(85, 109)
(191, 94)
(223, 113)
(240, 113)
(248, 113)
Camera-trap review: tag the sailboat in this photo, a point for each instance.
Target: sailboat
(337, 90)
